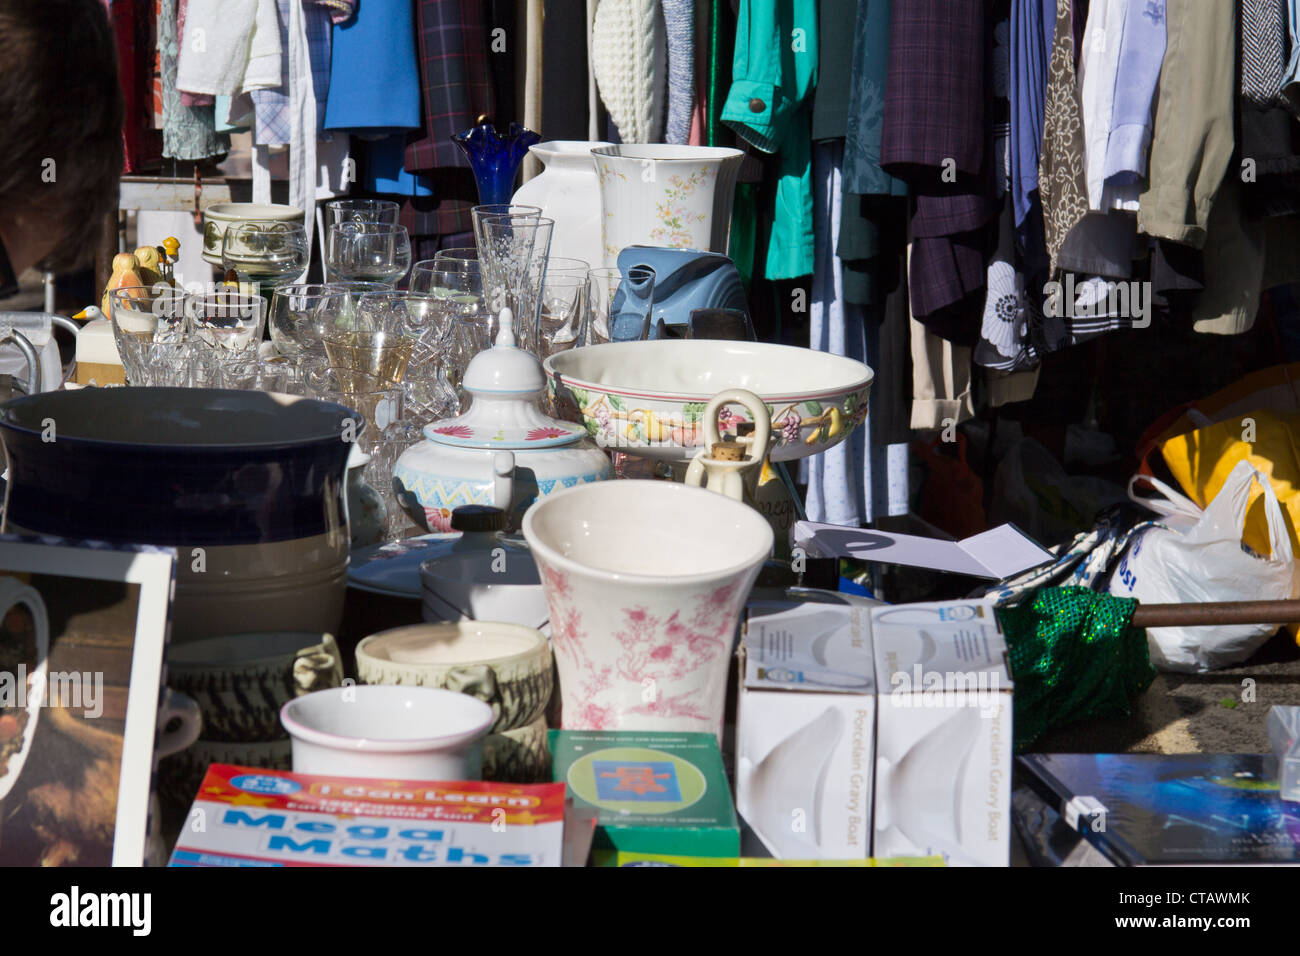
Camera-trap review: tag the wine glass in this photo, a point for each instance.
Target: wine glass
(618, 308)
(367, 251)
(294, 316)
(260, 250)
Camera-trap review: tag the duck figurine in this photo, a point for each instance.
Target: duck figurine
(126, 273)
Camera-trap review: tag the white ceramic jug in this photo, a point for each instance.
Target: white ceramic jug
(568, 192)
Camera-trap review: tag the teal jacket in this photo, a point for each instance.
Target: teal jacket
(774, 73)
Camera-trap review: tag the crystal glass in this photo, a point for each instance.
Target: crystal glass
(362, 210)
(149, 329)
(251, 372)
(227, 323)
(430, 321)
(382, 354)
(489, 211)
(464, 256)
(423, 272)
(618, 309)
(379, 475)
(382, 406)
(294, 316)
(508, 248)
(458, 297)
(560, 323)
(371, 252)
(265, 250)
(560, 265)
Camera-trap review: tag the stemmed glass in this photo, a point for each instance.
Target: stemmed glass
(295, 316)
(367, 251)
(265, 250)
(506, 251)
(458, 256)
(618, 308)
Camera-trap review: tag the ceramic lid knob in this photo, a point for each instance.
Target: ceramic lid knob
(477, 518)
(505, 367)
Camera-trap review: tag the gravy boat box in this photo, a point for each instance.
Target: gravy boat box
(652, 792)
(805, 726)
(943, 734)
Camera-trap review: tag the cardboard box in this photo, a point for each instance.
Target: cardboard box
(805, 726)
(943, 734)
(1284, 741)
(652, 792)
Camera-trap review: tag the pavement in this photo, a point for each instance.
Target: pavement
(1221, 712)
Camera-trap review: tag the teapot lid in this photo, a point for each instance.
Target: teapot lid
(505, 382)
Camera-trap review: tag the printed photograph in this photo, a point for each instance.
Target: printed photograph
(66, 646)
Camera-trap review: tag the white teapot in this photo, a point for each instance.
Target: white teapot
(503, 451)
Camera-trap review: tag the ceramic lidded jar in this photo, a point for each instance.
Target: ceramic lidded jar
(504, 451)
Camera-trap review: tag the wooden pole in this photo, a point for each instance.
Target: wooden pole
(1207, 615)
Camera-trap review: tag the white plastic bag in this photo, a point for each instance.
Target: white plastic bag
(1202, 561)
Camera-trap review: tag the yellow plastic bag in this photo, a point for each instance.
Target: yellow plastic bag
(1202, 459)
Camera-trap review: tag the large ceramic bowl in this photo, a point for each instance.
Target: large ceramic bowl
(220, 216)
(247, 486)
(648, 398)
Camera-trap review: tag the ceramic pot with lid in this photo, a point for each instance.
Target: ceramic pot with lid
(504, 451)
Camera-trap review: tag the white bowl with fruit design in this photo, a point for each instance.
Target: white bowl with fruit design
(648, 398)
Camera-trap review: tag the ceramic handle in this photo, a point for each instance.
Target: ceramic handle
(503, 484)
(177, 705)
(757, 410)
(317, 667)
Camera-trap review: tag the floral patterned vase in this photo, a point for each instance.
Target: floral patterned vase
(661, 195)
(645, 581)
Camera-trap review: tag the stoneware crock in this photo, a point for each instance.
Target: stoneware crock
(247, 486)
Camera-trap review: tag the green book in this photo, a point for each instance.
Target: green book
(652, 792)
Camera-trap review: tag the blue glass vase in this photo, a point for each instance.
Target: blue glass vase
(495, 158)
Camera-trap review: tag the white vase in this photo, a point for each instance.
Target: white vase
(659, 195)
(645, 581)
(568, 192)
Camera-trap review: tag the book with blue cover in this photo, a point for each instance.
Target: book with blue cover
(1167, 809)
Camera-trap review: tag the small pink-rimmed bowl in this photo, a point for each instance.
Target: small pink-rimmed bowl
(388, 731)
